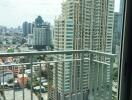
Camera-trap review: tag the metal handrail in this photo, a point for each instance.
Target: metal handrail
(46, 62)
(87, 55)
(54, 52)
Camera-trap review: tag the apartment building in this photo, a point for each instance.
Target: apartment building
(41, 35)
(83, 24)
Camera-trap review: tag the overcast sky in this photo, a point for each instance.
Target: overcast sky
(14, 12)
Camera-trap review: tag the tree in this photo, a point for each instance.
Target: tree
(1, 42)
(14, 41)
(10, 81)
(52, 47)
(28, 84)
(41, 57)
(23, 41)
(10, 50)
(44, 73)
(28, 67)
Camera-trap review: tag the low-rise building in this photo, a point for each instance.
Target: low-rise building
(22, 79)
(6, 76)
(30, 39)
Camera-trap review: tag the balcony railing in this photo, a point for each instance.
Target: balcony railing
(34, 75)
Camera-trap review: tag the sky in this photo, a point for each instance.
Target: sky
(15, 12)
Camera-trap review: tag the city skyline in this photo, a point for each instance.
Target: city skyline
(27, 10)
(62, 49)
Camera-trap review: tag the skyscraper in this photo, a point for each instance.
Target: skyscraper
(118, 24)
(30, 28)
(41, 34)
(83, 24)
(3, 29)
(27, 28)
(120, 19)
(117, 27)
(121, 7)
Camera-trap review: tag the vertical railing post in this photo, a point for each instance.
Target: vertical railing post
(48, 77)
(31, 76)
(102, 87)
(63, 94)
(75, 74)
(111, 77)
(13, 83)
(90, 75)
(70, 63)
(99, 88)
(96, 80)
(3, 87)
(23, 80)
(56, 82)
(81, 74)
(40, 69)
(105, 80)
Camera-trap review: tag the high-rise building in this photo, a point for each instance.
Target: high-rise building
(30, 28)
(117, 29)
(19, 29)
(41, 34)
(30, 39)
(83, 24)
(27, 28)
(121, 7)
(3, 29)
(118, 24)
(120, 19)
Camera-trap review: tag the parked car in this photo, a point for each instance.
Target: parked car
(37, 89)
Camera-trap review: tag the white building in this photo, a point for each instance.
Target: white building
(83, 24)
(30, 39)
(41, 38)
(4, 78)
(41, 34)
